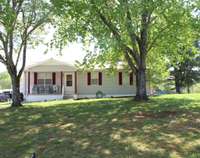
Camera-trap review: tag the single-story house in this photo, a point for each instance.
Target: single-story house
(53, 79)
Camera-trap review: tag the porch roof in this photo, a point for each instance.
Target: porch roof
(50, 65)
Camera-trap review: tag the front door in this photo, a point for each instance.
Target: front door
(69, 83)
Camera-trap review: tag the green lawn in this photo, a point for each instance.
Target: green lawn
(166, 126)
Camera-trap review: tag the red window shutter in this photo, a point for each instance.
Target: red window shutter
(54, 78)
(28, 82)
(35, 78)
(131, 78)
(75, 87)
(100, 78)
(89, 78)
(61, 80)
(120, 78)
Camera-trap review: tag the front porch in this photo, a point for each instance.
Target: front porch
(50, 81)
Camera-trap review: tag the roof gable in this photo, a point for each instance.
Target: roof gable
(51, 63)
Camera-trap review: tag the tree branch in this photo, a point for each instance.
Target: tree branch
(10, 44)
(116, 34)
(109, 24)
(130, 61)
(134, 38)
(24, 60)
(21, 46)
(16, 7)
(22, 37)
(154, 40)
(39, 23)
(2, 60)
(145, 21)
(27, 33)
(129, 26)
(2, 40)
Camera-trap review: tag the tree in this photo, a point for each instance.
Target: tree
(192, 72)
(186, 73)
(121, 28)
(183, 53)
(19, 19)
(5, 82)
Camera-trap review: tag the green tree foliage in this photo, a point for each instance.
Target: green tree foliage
(183, 53)
(157, 71)
(192, 72)
(5, 82)
(186, 71)
(19, 19)
(123, 30)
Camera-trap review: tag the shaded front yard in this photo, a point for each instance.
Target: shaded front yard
(166, 126)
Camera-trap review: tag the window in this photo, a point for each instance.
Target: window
(44, 78)
(94, 78)
(69, 80)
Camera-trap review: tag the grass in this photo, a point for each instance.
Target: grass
(165, 127)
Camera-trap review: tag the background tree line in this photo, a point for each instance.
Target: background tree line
(5, 82)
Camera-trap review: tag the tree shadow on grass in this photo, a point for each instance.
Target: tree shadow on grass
(119, 128)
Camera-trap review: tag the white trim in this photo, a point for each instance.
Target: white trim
(50, 61)
(33, 98)
(106, 96)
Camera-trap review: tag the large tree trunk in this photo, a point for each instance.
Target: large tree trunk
(141, 92)
(188, 88)
(178, 86)
(16, 96)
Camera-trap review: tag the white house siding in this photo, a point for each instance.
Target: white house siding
(24, 83)
(109, 87)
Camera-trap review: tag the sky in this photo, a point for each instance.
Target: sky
(71, 52)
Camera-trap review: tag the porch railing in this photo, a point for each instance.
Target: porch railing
(46, 89)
